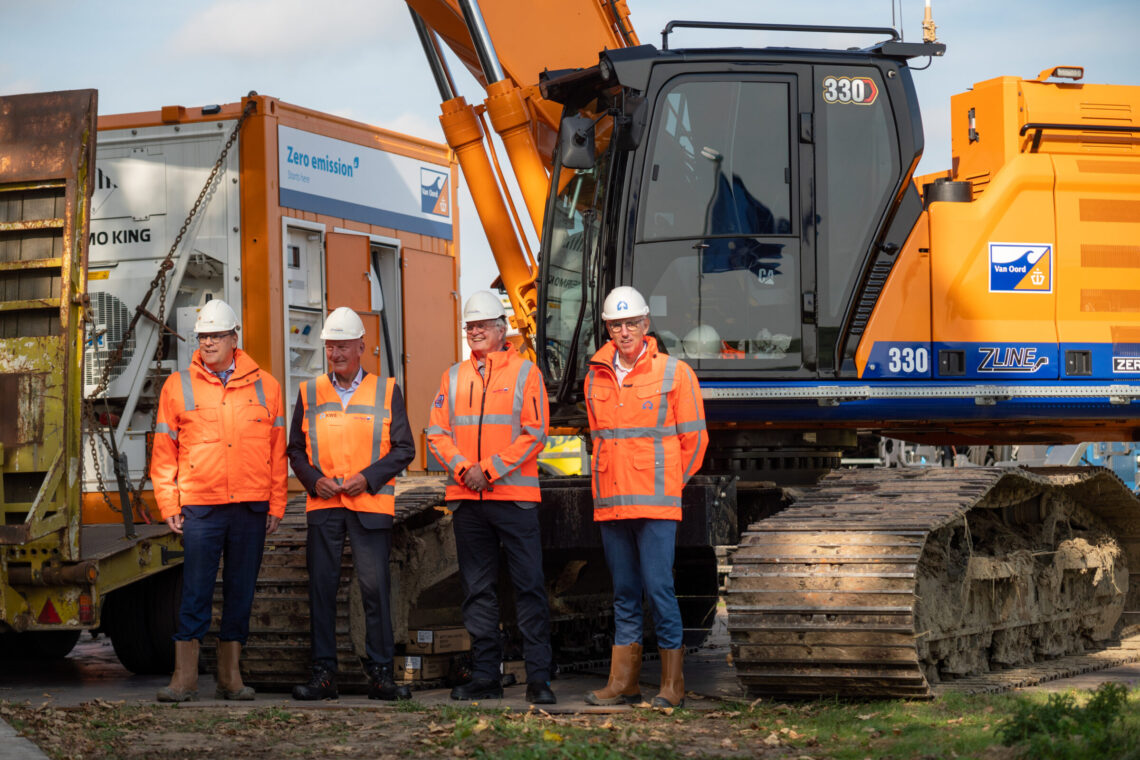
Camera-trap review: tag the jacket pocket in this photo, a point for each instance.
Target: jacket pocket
(646, 460)
(601, 404)
(253, 421)
(202, 425)
(601, 456)
(601, 393)
(254, 425)
(648, 392)
(207, 461)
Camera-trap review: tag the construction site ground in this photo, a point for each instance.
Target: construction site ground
(90, 688)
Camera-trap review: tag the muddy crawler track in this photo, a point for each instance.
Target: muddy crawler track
(882, 583)
(276, 657)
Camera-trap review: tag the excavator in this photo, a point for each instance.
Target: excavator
(765, 202)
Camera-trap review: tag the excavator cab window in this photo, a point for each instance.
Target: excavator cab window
(717, 250)
(858, 147)
(570, 266)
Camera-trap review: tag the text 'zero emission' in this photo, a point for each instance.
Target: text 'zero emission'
(323, 163)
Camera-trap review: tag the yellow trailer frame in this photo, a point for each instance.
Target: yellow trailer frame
(54, 571)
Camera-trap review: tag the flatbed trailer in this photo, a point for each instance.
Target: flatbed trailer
(54, 571)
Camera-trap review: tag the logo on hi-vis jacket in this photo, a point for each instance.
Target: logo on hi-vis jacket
(1021, 268)
(433, 192)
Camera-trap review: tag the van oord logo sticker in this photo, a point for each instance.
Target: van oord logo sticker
(433, 192)
(862, 91)
(1021, 268)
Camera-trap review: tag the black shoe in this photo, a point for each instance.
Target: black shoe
(322, 685)
(381, 685)
(478, 688)
(539, 693)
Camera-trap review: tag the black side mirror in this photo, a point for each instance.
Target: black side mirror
(576, 142)
(631, 122)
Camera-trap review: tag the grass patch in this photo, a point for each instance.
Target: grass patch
(529, 736)
(1106, 725)
(1101, 725)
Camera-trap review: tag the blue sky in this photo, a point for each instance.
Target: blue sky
(361, 59)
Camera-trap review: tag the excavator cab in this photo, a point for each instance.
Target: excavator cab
(749, 194)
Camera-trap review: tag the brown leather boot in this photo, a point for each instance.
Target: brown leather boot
(625, 671)
(229, 673)
(672, 679)
(184, 683)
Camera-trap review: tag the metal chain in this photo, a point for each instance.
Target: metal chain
(161, 282)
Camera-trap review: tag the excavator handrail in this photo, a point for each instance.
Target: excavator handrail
(1042, 126)
(821, 29)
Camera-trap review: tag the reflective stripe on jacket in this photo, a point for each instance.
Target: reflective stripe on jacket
(498, 425)
(344, 440)
(648, 435)
(216, 444)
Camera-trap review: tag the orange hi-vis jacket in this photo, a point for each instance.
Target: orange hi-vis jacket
(649, 434)
(498, 425)
(344, 440)
(219, 444)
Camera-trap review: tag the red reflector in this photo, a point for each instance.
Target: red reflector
(86, 613)
(48, 614)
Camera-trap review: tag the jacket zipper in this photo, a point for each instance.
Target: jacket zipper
(600, 366)
(482, 406)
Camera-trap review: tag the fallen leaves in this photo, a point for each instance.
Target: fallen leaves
(104, 729)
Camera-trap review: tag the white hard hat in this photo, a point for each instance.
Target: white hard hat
(342, 324)
(702, 340)
(624, 302)
(216, 317)
(483, 305)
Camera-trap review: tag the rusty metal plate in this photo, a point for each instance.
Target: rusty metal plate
(38, 134)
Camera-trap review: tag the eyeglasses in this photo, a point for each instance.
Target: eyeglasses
(342, 349)
(483, 326)
(214, 337)
(633, 325)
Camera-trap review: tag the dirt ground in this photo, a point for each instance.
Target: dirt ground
(103, 729)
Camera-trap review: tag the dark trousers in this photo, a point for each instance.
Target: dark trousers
(480, 526)
(370, 547)
(234, 535)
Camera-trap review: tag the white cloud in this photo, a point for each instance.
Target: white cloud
(12, 83)
(418, 124)
(293, 30)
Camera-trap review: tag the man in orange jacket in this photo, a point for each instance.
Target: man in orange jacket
(487, 428)
(219, 474)
(647, 423)
(349, 440)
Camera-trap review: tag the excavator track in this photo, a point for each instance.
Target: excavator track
(885, 583)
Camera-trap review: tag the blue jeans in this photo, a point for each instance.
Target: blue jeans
(640, 556)
(233, 534)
